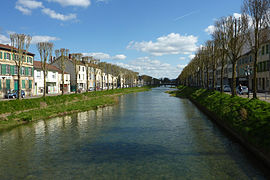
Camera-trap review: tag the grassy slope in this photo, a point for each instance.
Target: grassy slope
(249, 118)
(16, 112)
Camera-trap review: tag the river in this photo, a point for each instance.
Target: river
(147, 135)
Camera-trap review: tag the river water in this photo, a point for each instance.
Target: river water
(148, 135)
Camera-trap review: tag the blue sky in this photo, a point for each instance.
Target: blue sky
(153, 37)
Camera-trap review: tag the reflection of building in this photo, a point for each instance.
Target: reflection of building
(53, 79)
(9, 71)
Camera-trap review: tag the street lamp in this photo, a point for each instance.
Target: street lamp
(248, 72)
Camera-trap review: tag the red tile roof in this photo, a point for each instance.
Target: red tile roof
(8, 47)
(38, 65)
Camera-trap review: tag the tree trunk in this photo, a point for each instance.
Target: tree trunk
(214, 81)
(95, 79)
(254, 85)
(234, 78)
(19, 82)
(63, 82)
(44, 83)
(221, 79)
(207, 78)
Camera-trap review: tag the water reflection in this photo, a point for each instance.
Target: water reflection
(147, 135)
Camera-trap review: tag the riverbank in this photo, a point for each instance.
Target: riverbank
(246, 120)
(16, 112)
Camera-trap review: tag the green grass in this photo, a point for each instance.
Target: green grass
(16, 112)
(249, 118)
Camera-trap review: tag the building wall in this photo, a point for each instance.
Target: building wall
(52, 82)
(8, 73)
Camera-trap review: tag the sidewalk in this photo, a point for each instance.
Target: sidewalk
(261, 96)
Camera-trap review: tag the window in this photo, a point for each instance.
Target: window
(267, 49)
(1, 55)
(8, 84)
(7, 69)
(250, 58)
(83, 69)
(79, 68)
(53, 75)
(23, 71)
(79, 76)
(30, 71)
(38, 73)
(0, 84)
(8, 56)
(15, 70)
(30, 84)
(26, 71)
(263, 50)
(12, 70)
(23, 84)
(3, 69)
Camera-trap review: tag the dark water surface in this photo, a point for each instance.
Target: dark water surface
(148, 135)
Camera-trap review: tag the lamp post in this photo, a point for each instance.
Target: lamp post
(248, 72)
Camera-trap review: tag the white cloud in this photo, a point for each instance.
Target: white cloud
(210, 29)
(4, 39)
(191, 56)
(26, 6)
(103, 56)
(58, 16)
(36, 39)
(119, 57)
(181, 66)
(98, 55)
(171, 44)
(81, 3)
(24, 10)
(182, 58)
(152, 67)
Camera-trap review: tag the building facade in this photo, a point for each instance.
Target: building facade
(9, 71)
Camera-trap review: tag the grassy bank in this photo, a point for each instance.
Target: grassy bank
(16, 112)
(250, 119)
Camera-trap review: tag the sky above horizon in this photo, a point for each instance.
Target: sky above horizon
(153, 37)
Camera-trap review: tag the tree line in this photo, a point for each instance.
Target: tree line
(232, 37)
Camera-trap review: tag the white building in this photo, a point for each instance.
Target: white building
(52, 80)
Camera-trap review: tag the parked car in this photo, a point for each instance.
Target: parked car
(14, 94)
(244, 90)
(227, 88)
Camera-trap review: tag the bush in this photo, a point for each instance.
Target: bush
(249, 118)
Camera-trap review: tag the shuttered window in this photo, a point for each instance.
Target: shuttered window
(30, 84)
(8, 84)
(12, 70)
(3, 69)
(23, 84)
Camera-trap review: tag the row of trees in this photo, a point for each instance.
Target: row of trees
(232, 37)
(19, 49)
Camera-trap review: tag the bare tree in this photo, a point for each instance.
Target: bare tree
(45, 51)
(236, 30)
(62, 54)
(258, 12)
(76, 57)
(19, 45)
(220, 39)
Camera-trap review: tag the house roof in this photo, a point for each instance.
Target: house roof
(38, 65)
(8, 47)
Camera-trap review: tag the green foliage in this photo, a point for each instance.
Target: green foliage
(249, 118)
